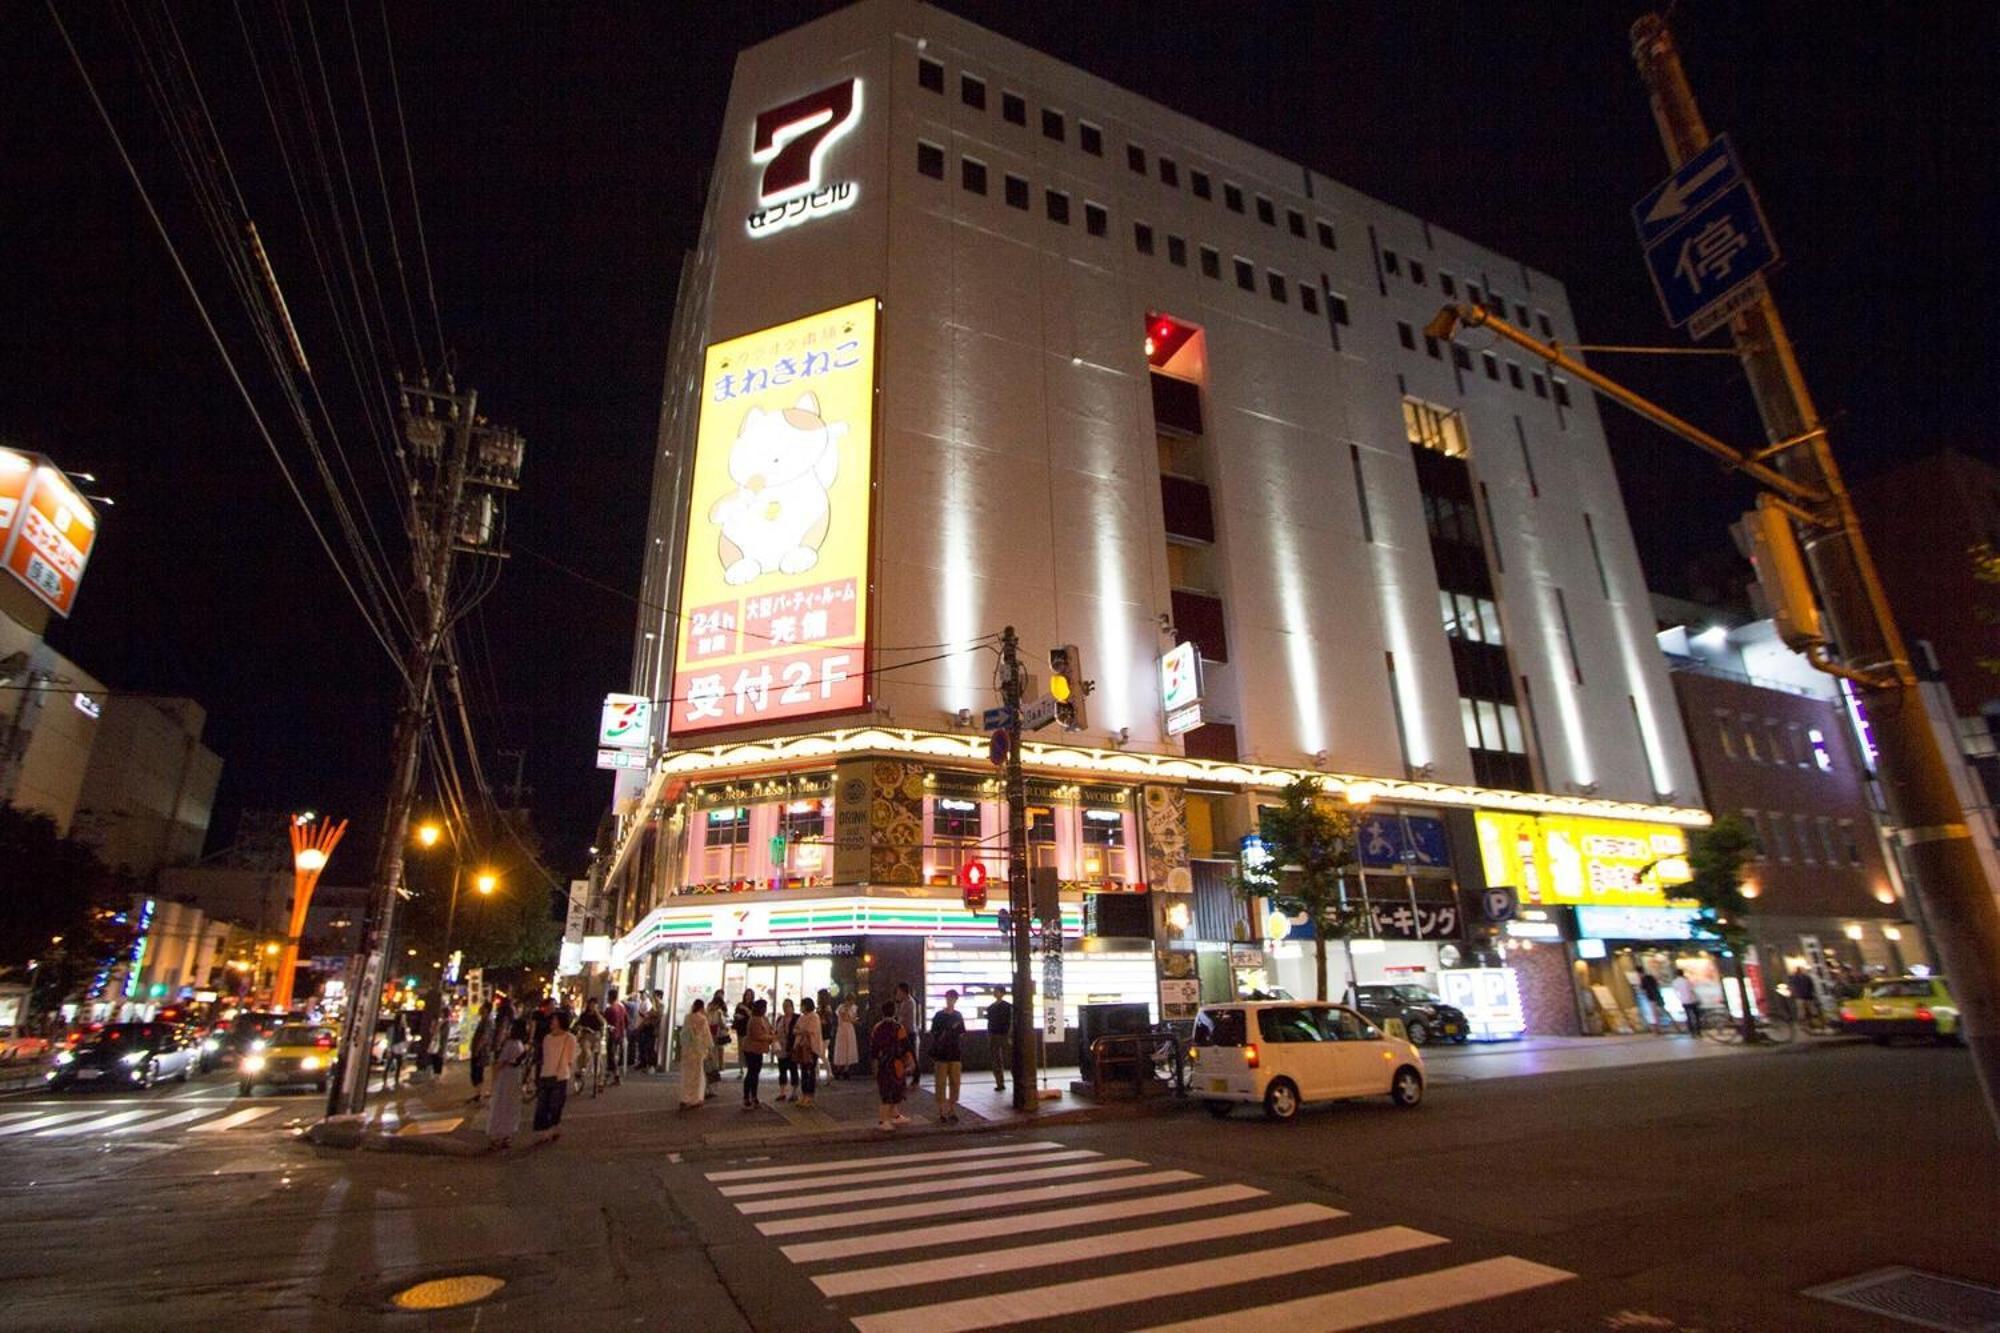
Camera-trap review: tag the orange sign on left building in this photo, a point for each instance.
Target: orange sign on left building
(46, 528)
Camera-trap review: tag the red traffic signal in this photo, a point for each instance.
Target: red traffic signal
(972, 884)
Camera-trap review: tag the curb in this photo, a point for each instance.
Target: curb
(867, 1133)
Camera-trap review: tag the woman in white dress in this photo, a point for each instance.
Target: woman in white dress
(504, 1120)
(697, 1043)
(847, 1042)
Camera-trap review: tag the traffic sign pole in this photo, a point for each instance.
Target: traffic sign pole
(1931, 825)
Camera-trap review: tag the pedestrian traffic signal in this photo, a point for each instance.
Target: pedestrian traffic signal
(972, 885)
(1068, 687)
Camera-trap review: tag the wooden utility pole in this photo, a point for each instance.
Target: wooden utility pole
(1020, 901)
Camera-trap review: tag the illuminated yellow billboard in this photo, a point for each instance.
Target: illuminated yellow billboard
(1563, 859)
(774, 571)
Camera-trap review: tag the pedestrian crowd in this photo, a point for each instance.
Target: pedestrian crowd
(539, 1058)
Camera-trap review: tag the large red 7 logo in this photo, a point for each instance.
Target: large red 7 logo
(791, 139)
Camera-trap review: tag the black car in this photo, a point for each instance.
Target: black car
(126, 1055)
(1424, 1016)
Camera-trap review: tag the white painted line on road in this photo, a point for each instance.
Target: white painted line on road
(904, 1173)
(1001, 1178)
(234, 1121)
(1018, 1223)
(856, 1217)
(440, 1125)
(879, 1159)
(1075, 1249)
(89, 1126)
(166, 1121)
(43, 1121)
(1097, 1293)
(1380, 1302)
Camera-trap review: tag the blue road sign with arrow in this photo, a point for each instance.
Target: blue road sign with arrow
(1705, 238)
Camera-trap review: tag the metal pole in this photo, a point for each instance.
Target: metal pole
(1930, 824)
(1019, 900)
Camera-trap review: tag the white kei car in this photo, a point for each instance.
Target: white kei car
(1285, 1053)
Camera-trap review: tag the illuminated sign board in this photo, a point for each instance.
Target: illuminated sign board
(1572, 859)
(791, 142)
(46, 529)
(1639, 923)
(774, 581)
(782, 918)
(626, 722)
(1180, 688)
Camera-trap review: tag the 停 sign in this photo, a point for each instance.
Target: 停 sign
(46, 529)
(774, 585)
(1705, 239)
(626, 722)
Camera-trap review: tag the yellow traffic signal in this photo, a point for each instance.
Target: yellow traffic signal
(1068, 687)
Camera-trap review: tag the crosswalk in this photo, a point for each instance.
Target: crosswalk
(59, 1122)
(1036, 1230)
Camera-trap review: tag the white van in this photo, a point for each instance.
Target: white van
(1284, 1053)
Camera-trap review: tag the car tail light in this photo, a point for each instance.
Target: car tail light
(1250, 1055)
(1923, 1015)
(1846, 1014)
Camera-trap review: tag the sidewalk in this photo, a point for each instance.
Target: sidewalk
(1555, 1055)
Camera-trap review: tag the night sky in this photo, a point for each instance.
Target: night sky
(561, 156)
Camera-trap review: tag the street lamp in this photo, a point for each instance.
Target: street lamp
(487, 882)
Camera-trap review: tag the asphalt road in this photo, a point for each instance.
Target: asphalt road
(1701, 1195)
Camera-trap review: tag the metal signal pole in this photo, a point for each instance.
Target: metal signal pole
(1930, 824)
(1019, 900)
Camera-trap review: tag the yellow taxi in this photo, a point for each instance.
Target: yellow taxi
(294, 1053)
(1902, 1007)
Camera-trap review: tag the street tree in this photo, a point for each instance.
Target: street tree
(1717, 856)
(56, 912)
(1309, 850)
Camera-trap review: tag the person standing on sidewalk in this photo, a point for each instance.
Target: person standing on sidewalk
(503, 1120)
(906, 1015)
(889, 1045)
(718, 1034)
(559, 1052)
(697, 1044)
(788, 1067)
(590, 1030)
(482, 1041)
(1000, 1036)
(617, 1023)
(1656, 1003)
(847, 1041)
(808, 1046)
(947, 1046)
(1690, 999)
(758, 1039)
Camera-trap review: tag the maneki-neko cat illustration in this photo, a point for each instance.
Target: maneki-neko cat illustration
(783, 464)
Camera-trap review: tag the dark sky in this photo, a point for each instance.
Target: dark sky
(560, 154)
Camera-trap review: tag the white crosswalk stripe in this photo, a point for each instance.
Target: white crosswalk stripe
(1234, 1243)
(157, 1115)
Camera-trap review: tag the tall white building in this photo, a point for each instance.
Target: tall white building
(1133, 383)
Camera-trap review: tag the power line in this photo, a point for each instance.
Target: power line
(416, 206)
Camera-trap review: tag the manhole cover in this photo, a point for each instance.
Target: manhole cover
(444, 1293)
(1923, 1299)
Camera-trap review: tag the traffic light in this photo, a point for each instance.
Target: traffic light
(972, 885)
(1068, 687)
(1765, 537)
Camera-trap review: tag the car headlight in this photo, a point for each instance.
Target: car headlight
(65, 1057)
(135, 1058)
(211, 1046)
(252, 1063)
(310, 1062)
(259, 1044)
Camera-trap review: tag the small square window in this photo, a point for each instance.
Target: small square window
(1198, 181)
(1276, 285)
(1325, 230)
(1542, 322)
(930, 160)
(1460, 357)
(1135, 158)
(1514, 375)
(1390, 263)
(1433, 348)
(1338, 305)
(930, 75)
(1541, 385)
(1521, 315)
(1142, 238)
(972, 175)
(1308, 298)
(1170, 174)
(1562, 393)
(1492, 365)
(1295, 222)
(1058, 206)
(1447, 284)
(1052, 125)
(1472, 294)
(1095, 220)
(1090, 138)
(1417, 272)
(1013, 109)
(1017, 192)
(1406, 335)
(1496, 303)
(1266, 213)
(1211, 262)
(972, 92)
(1246, 274)
(1176, 252)
(1232, 197)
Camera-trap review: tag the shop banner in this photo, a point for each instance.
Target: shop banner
(1394, 840)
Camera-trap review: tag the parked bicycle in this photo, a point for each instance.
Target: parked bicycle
(1722, 1026)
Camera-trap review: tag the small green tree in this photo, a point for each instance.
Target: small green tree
(1310, 841)
(1717, 856)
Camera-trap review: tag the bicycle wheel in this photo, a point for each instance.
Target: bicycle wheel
(1720, 1025)
(1777, 1029)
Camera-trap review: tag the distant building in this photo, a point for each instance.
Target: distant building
(49, 717)
(150, 786)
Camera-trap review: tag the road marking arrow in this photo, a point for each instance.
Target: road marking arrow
(1673, 199)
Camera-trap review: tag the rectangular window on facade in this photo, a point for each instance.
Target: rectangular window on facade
(972, 92)
(1308, 298)
(1232, 197)
(1569, 636)
(1496, 303)
(1847, 840)
(1013, 108)
(1751, 750)
(930, 160)
(1756, 826)
(1542, 322)
(1199, 183)
(1337, 303)
(1135, 158)
(1170, 174)
(1095, 220)
(1057, 204)
(1324, 230)
(955, 836)
(1177, 251)
(1406, 335)
(1295, 223)
(1103, 844)
(1417, 272)
(726, 843)
(1725, 731)
(1016, 189)
(1142, 238)
(1521, 314)
(1492, 364)
(1433, 427)
(1460, 357)
(1361, 494)
(1090, 138)
(1390, 263)
(930, 75)
(1246, 274)
(1828, 847)
(1433, 348)
(1211, 262)
(1541, 385)
(1562, 393)
(1052, 125)
(1597, 556)
(1447, 284)
(972, 175)
(1267, 213)
(1473, 294)
(1276, 285)
(1802, 827)
(1781, 843)
(1514, 375)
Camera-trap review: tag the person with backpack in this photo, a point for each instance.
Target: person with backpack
(808, 1048)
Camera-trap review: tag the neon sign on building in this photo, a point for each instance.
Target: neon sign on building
(790, 142)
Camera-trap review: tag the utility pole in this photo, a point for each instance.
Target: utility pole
(1930, 824)
(1019, 900)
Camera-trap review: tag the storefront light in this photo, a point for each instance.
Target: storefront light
(1854, 931)
(1277, 925)
(1891, 933)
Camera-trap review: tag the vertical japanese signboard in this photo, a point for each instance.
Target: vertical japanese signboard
(774, 575)
(46, 529)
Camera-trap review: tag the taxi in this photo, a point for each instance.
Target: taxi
(293, 1053)
(1902, 1007)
